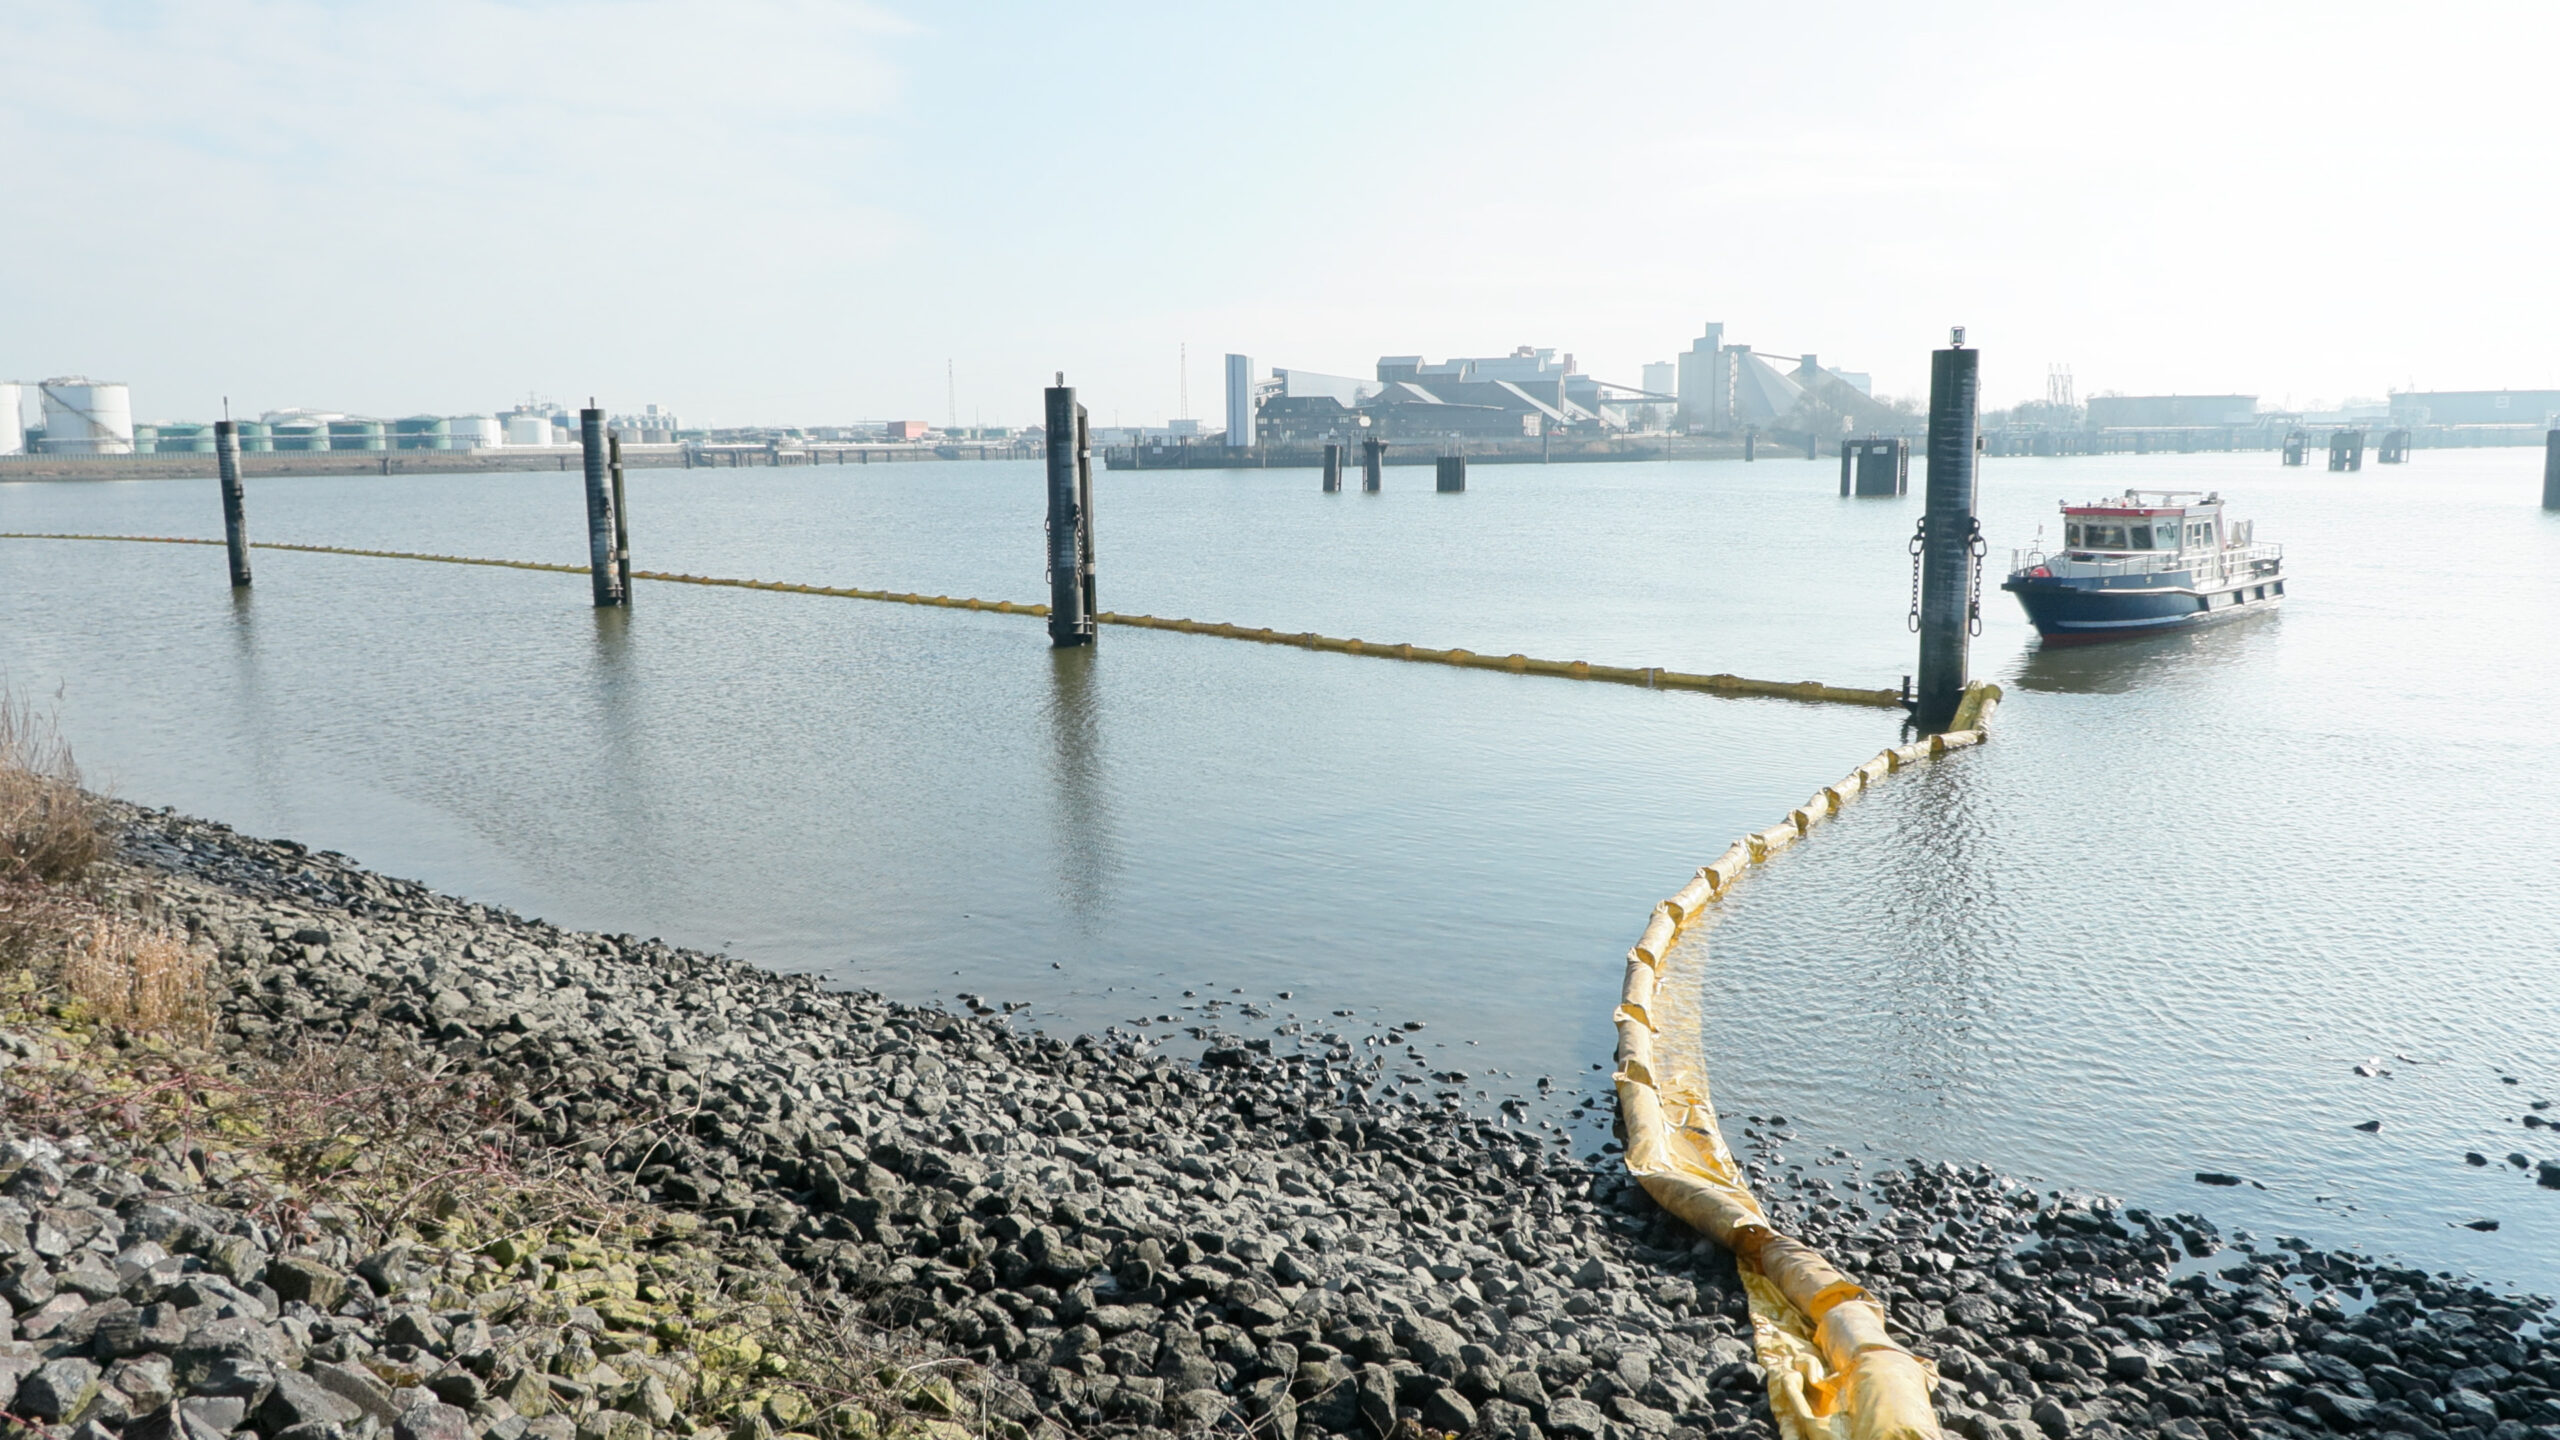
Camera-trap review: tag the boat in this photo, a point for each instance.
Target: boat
(2142, 563)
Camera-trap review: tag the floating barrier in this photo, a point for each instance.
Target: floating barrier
(1650, 677)
(1834, 1370)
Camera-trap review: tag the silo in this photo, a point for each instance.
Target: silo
(357, 435)
(474, 432)
(87, 417)
(421, 432)
(146, 439)
(13, 421)
(187, 439)
(526, 428)
(302, 435)
(257, 437)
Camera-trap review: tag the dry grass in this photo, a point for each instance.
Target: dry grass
(49, 831)
(129, 974)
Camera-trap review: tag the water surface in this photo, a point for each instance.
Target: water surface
(2150, 930)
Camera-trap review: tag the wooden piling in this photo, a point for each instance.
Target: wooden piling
(1453, 474)
(1333, 469)
(1373, 464)
(1071, 597)
(2551, 470)
(621, 520)
(1750, 444)
(600, 526)
(235, 501)
(1812, 447)
(1947, 535)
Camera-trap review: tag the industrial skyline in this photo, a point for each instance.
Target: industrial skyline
(769, 211)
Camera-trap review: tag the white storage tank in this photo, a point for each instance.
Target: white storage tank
(474, 432)
(528, 429)
(13, 423)
(87, 417)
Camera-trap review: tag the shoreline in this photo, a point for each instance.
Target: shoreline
(1114, 1241)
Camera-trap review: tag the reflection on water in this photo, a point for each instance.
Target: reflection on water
(1084, 843)
(2118, 667)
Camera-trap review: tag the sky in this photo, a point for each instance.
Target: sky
(788, 211)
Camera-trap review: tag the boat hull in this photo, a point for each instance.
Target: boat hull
(2068, 614)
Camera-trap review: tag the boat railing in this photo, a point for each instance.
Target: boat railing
(2230, 561)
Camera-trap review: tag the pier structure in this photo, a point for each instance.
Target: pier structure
(1875, 467)
(2346, 450)
(601, 526)
(2551, 469)
(1071, 598)
(1332, 469)
(1453, 474)
(1949, 541)
(2294, 444)
(1373, 464)
(2394, 449)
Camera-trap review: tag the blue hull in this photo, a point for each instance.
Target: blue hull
(2068, 614)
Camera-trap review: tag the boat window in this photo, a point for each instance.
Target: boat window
(2168, 531)
(2105, 537)
(2071, 534)
(2142, 537)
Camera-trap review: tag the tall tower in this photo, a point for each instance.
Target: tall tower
(1702, 389)
(1239, 401)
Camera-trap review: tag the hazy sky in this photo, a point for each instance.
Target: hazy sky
(771, 211)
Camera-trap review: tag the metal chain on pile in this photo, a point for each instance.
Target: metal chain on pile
(1977, 548)
(1919, 541)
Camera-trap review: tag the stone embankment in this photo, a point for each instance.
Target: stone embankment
(1092, 1238)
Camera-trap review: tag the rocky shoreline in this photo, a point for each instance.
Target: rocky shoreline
(1094, 1239)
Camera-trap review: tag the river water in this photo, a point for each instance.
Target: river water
(2151, 930)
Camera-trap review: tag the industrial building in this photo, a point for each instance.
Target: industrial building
(1529, 393)
(2169, 412)
(2475, 407)
(1726, 389)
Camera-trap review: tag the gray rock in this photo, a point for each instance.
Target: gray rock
(2347, 1412)
(1444, 1409)
(293, 1277)
(1197, 1410)
(416, 1328)
(1432, 1345)
(145, 1382)
(1503, 1420)
(1376, 1388)
(359, 1386)
(300, 1399)
(2127, 1364)
(1579, 1418)
(435, 1420)
(59, 1391)
(2051, 1418)
(212, 1414)
(458, 1388)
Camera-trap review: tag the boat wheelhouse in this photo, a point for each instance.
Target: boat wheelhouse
(2142, 563)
